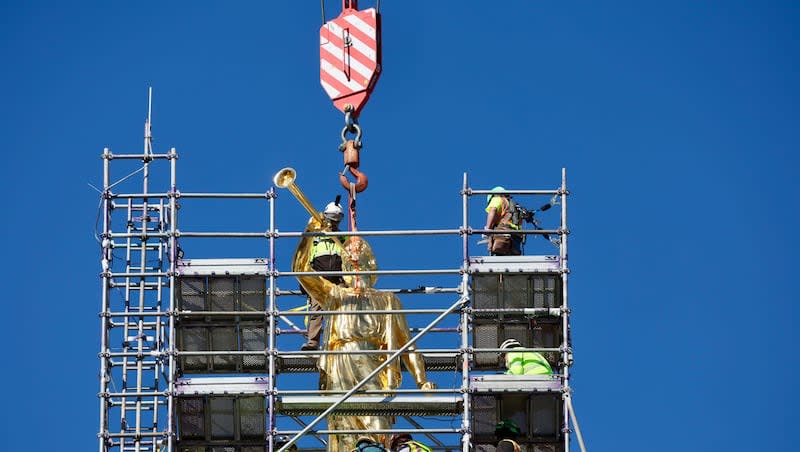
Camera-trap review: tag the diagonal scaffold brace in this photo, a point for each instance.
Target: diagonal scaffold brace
(458, 304)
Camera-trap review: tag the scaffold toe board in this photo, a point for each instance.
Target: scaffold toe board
(309, 362)
(399, 405)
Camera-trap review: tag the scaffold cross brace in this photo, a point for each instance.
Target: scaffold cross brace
(350, 56)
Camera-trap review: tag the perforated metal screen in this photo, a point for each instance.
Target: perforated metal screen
(223, 293)
(221, 423)
(538, 416)
(503, 291)
(528, 448)
(222, 335)
(192, 418)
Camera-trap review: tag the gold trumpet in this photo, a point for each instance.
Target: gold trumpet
(285, 179)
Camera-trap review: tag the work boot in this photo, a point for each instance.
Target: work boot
(307, 347)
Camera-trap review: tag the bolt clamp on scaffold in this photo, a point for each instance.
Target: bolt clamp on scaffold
(350, 65)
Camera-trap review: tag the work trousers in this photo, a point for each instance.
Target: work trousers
(315, 321)
(314, 324)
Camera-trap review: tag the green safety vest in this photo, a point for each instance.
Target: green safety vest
(505, 210)
(414, 446)
(528, 363)
(324, 246)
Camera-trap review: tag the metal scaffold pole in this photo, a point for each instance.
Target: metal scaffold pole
(105, 264)
(465, 319)
(272, 323)
(566, 353)
(173, 270)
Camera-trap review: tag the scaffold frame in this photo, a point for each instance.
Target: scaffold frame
(139, 355)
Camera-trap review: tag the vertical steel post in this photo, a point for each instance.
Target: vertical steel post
(105, 264)
(173, 268)
(465, 319)
(272, 310)
(137, 442)
(565, 355)
(158, 322)
(123, 421)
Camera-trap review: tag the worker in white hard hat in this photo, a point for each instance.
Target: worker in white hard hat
(524, 363)
(326, 256)
(500, 216)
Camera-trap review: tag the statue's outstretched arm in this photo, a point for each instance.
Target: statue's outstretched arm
(317, 287)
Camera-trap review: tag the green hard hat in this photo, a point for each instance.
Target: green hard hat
(495, 189)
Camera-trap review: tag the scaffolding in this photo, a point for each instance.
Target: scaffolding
(197, 354)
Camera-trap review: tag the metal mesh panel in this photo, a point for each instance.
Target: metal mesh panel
(518, 331)
(254, 338)
(545, 293)
(545, 414)
(485, 294)
(192, 294)
(192, 418)
(547, 334)
(545, 448)
(514, 406)
(253, 293)
(221, 410)
(515, 291)
(223, 338)
(222, 293)
(194, 339)
(537, 415)
(492, 333)
(252, 417)
(485, 336)
(484, 417)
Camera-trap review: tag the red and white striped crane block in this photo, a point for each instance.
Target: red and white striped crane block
(350, 57)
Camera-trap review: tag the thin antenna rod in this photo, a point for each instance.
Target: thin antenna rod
(148, 134)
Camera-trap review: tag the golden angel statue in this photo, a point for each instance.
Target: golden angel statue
(354, 332)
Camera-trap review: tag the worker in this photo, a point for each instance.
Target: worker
(365, 444)
(524, 363)
(326, 256)
(499, 216)
(403, 442)
(354, 332)
(507, 433)
(281, 441)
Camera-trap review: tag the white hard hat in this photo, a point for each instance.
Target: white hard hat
(510, 343)
(333, 212)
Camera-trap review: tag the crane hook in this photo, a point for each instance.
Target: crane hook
(352, 161)
(360, 183)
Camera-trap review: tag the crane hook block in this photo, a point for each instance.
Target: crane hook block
(351, 155)
(350, 56)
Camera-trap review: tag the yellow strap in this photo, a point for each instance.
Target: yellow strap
(306, 307)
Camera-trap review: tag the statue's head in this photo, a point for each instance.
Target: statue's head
(358, 256)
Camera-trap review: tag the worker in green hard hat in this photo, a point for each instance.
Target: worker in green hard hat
(507, 432)
(500, 216)
(524, 363)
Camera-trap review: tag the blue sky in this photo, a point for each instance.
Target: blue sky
(677, 122)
